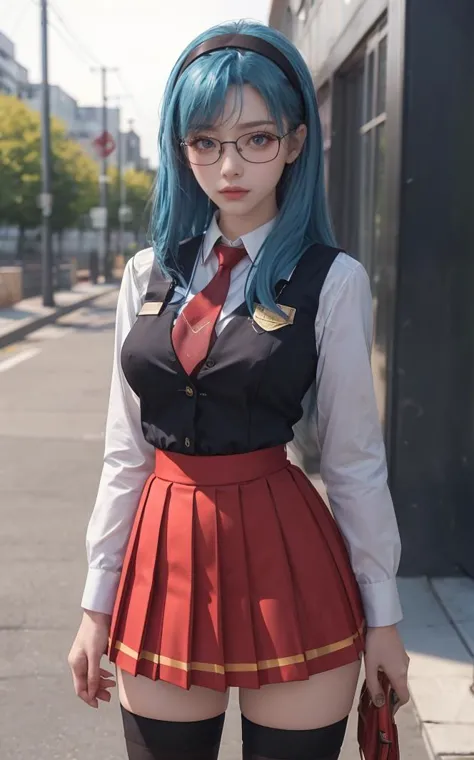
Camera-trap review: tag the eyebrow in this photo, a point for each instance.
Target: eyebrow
(246, 125)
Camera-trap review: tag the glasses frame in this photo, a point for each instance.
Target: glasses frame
(183, 144)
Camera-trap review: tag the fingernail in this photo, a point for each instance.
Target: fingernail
(379, 700)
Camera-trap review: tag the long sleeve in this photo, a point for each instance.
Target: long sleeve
(128, 461)
(341, 426)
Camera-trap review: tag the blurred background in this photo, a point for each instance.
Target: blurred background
(81, 83)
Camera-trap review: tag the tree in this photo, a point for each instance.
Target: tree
(75, 175)
(20, 163)
(138, 186)
(75, 180)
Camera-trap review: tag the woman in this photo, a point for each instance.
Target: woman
(244, 330)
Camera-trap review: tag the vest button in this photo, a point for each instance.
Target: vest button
(187, 442)
(210, 363)
(189, 391)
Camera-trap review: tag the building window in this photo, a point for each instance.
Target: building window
(325, 113)
(345, 167)
(373, 153)
(359, 156)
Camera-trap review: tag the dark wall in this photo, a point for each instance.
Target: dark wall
(432, 420)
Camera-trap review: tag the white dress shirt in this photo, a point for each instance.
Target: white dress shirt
(340, 426)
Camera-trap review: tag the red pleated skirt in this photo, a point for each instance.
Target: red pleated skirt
(236, 574)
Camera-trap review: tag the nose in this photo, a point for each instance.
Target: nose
(232, 161)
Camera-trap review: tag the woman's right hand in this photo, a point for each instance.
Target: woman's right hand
(90, 680)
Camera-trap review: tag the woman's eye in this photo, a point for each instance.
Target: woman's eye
(202, 143)
(261, 139)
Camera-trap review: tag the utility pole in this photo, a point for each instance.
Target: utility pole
(46, 198)
(104, 252)
(121, 186)
(121, 189)
(121, 192)
(103, 185)
(105, 263)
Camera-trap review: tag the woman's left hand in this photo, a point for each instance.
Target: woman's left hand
(384, 649)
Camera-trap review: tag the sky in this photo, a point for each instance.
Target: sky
(142, 38)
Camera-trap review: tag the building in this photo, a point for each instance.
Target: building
(131, 150)
(13, 76)
(61, 105)
(396, 92)
(88, 127)
(84, 125)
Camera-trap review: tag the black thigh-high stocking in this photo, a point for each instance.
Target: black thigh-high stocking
(262, 743)
(149, 739)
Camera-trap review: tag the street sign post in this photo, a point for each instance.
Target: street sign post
(104, 144)
(125, 214)
(98, 217)
(44, 202)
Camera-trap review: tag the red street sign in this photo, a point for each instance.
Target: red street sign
(104, 144)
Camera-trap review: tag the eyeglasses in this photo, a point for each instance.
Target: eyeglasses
(254, 147)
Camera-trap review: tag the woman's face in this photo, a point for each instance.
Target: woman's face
(259, 180)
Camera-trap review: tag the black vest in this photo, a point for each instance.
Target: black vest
(247, 394)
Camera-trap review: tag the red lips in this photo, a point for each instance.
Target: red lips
(234, 189)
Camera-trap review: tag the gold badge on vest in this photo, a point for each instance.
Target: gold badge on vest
(150, 308)
(269, 320)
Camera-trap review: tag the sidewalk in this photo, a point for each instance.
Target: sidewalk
(28, 315)
(438, 633)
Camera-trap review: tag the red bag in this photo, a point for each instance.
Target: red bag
(377, 732)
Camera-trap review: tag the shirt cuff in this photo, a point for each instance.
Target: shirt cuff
(100, 590)
(381, 603)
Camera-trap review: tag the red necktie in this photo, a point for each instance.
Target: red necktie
(193, 331)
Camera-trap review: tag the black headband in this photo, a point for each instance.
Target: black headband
(245, 42)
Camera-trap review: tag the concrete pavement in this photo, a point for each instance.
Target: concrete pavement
(29, 315)
(438, 632)
(53, 395)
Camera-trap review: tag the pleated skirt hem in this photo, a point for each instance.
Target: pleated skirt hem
(235, 574)
(243, 675)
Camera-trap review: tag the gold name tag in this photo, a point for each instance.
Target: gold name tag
(150, 307)
(269, 320)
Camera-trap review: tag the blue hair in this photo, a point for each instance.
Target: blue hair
(181, 209)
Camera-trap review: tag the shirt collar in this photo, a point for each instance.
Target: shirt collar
(252, 241)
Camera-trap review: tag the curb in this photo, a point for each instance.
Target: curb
(18, 333)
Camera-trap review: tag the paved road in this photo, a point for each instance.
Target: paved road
(53, 393)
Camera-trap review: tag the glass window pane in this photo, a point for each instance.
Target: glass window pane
(379, 194)
(326, 169)
(325, 105)
(382, 77)
(369, 94)
(348, 220)
(366, 195)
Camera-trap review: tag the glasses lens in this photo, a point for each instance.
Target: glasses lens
(255, 147)
(202, 151)
(258, 147)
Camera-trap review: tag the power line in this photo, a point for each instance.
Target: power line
(12, 29)
(86, 52)
(130, 95)
(7, 16)
(80, 53)
(74, 37)
(85, 55)
(76, 52)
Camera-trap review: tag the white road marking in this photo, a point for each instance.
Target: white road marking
(51, 332)
(14, 360)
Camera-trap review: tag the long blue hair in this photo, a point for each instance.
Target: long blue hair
(181, 209)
